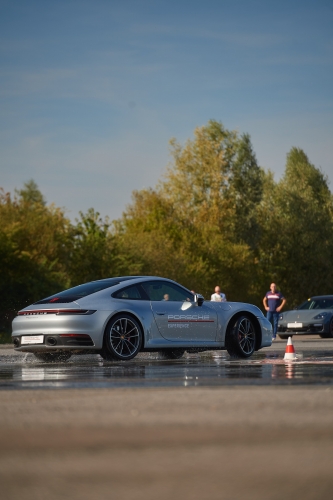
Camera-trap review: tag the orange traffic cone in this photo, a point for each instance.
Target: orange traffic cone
(290, 351)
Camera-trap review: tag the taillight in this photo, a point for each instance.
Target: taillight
(59, 312)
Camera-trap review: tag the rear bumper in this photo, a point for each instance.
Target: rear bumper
(55, 343)
(53, 325)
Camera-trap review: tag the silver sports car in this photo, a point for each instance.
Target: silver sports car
(119, 317)
(314, 316)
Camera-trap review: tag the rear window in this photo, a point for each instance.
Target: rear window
(134, 292)
(80, 291)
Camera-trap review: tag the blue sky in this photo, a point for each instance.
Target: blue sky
(91, 92)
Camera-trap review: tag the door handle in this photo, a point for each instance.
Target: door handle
(160, 313)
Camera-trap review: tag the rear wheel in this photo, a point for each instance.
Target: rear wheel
(171, 353)
(122, 338)
(241, 338)
(52, 357)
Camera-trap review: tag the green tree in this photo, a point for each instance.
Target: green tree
(216, 217)
(31, 194)
(296, 219)
(34, 250)
(94, 254)
(198, 225)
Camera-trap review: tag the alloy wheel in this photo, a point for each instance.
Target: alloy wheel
(124, 338)
(246, 336)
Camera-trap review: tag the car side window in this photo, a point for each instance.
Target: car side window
(162, 290)
(325, 304)
(130, 293)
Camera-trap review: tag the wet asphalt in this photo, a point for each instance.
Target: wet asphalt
(313, 365)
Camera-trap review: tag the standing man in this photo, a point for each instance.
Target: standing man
(273, 303)
(218, 296)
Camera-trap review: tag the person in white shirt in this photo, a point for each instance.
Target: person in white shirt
(218, 296)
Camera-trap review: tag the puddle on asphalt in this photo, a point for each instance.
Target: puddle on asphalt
(212, 368)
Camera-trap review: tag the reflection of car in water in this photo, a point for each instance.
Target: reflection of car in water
(119, 317)
(314, 316)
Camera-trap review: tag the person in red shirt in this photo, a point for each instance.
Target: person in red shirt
(273, 303)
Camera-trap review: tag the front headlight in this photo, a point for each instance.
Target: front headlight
(320, 315)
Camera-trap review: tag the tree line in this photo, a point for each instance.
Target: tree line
(216, 217)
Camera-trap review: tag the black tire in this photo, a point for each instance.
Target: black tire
(122, 338)
(171, 353)
(53, 357)
(240, 340)
(329, 334)
(284, 337)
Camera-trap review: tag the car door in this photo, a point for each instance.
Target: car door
(176, 314)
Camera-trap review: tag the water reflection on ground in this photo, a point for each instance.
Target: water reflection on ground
(214, 368)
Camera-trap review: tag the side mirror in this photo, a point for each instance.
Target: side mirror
(198, 300)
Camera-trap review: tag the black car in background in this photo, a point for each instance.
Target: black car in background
(314, 316)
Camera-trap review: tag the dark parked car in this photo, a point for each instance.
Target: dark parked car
(314, 316)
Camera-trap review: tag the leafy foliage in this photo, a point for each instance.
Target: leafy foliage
(198, 225)
(296, 220)
(33, 249)
(216, 217)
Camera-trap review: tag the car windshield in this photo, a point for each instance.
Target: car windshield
(80, 291)
(318, 303)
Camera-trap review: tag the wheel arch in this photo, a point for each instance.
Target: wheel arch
(256, 323)
(128, 313)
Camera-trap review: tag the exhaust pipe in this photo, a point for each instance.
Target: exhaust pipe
(52, 341)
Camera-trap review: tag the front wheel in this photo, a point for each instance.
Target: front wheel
(329, 334)
(241, 338)
(284, 337)
(122, 338)
(52, 357)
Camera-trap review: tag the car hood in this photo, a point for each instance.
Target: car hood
(301, 315)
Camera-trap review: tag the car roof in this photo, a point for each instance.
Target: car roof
(315, 297)
(127, 278)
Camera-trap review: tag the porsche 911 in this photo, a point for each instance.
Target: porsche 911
(120, 317)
